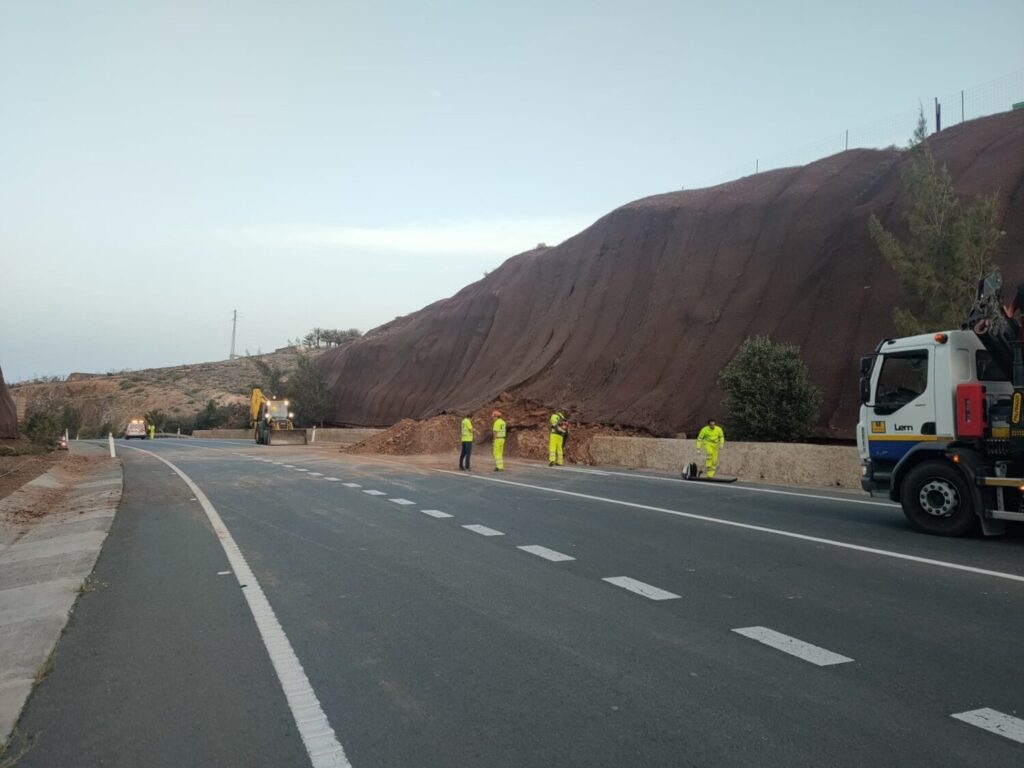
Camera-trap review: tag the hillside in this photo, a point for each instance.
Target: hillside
(8, 413)
(180, 391)
(630, 321)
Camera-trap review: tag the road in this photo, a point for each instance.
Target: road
(295, 607)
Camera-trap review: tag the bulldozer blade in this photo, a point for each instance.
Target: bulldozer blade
(287, 437)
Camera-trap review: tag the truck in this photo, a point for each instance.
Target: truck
(941, 428)
(136, 429)
(272, 421)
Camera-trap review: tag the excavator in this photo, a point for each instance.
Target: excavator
(272, 422)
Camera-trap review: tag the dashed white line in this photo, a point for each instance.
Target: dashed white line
(300, 469)
(648, 591)
(333, 479)
(758, 528)
(316, 474)
(547, 554)
(288, 466)
(402, 502)
(352, 485)
(317, 735)
(223, 573)
(435, 513)
(375, 493)
(792, 646)
(994, 721)
(483, 530)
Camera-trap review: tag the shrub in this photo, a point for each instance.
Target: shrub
(768, 396)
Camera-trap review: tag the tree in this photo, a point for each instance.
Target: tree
(768, 396)
(157, 418)
(272, 378)
(308, 391)
(949, 246)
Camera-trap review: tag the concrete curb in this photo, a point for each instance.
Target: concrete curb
(42, 567)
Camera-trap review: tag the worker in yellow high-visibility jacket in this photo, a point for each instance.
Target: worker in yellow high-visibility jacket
(498, 429)
(710, 439)
(467, 443)
(557, 439)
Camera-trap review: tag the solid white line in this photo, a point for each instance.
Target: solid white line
(640, 588)
(401, 502)
(352, 485)
(318, 736)
(744, 488)
(996, 722)
(547, 554)
(792, 646)
(586, 471)
(376, 493)
(483, 530)
(758, 528)
(435, 513)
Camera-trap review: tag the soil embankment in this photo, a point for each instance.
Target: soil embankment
(630, 321)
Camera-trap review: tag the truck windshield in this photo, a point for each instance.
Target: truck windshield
(277, 409)
(903, 378)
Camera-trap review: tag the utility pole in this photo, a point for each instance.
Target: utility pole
(938, 115)
(234, 327)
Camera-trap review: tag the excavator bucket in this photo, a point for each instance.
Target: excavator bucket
(287, 437)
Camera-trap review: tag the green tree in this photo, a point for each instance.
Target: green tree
(272, 378)
(157, 418)
(768, 396)
(308, 390)
(949, 246)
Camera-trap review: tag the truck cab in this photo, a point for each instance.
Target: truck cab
(933, 429)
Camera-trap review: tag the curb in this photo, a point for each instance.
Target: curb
(42, 567)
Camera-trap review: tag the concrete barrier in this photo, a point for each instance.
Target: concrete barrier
(819, 466)
(337, 435)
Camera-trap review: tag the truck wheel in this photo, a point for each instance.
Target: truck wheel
(937, 499)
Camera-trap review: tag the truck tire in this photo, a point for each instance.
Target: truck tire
(937, 499)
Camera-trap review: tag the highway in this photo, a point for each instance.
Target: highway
(287, 606)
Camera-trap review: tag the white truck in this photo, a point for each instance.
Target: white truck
(941, 426)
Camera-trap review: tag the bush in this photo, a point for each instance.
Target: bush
(43, 427)
(768, 396)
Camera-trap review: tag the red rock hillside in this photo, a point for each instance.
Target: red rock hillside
(630, 321)
(8, 413)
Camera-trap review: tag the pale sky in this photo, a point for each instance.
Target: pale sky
(337, 164)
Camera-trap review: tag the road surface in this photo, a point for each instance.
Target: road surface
(287, 606)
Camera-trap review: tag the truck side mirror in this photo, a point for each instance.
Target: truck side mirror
(865, 389)
(865, 365)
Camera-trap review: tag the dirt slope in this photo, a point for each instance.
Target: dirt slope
(630, 321)
(8, 413)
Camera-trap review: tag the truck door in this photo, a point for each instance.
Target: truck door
(903, 413)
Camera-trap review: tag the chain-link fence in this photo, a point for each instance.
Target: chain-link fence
(999, 95)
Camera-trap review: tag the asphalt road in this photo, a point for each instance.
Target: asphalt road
(650, 622)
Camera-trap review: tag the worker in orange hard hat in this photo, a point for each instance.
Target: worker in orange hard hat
(499, 429)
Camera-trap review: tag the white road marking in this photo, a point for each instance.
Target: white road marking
(402, 502)
(279, 463)
(316, 474)
(483, 530)
(300, 469)
(318, 736)
(586, 471)
(996, 722)
(547, 554)
(758, 528)
(435, 513)
(653, 593)
(223, 573)
(352, 485)
(792, 646)
(333, 479)
(288, 466)
(375, 493)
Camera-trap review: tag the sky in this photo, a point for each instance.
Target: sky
(338, 164)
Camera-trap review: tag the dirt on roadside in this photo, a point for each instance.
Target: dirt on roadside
(16, 471)
(528, 433)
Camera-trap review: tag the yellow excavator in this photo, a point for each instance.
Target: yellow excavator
(272, 422)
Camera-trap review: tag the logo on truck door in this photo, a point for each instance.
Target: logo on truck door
(877, 427)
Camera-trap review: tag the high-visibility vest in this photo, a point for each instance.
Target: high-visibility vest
(499, 428)
(467, 430)
(556, 420)
(711, 436)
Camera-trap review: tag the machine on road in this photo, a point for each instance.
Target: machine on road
(272, 422)
(135, 428)
(942, 420)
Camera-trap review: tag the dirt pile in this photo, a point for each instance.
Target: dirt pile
(8, 412)
(528, 433)
(630, 321)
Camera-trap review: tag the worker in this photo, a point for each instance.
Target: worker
(498, 429)
(559, 427)
(467, 442)
(710, 439)
(152, 431)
